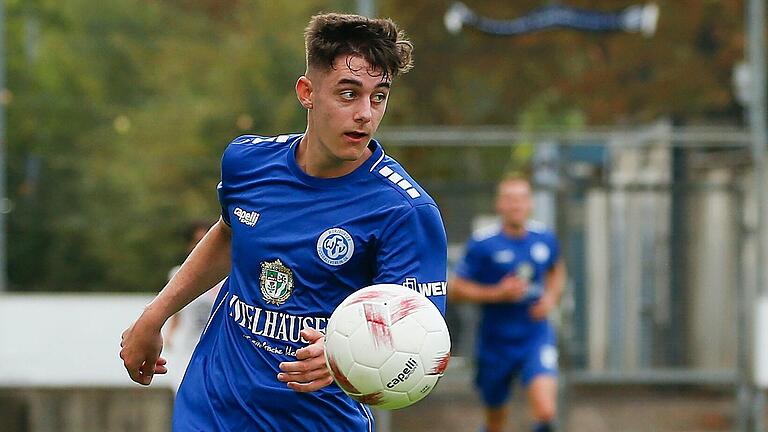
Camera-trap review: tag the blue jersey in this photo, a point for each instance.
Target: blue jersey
(491, 255)
(300, 245)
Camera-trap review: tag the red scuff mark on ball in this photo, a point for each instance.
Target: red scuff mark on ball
(377, 324)
(340, 378)
(406, 307)
(369, 296)
(370, 398)
(441, 364)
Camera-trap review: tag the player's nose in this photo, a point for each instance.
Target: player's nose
(364, 111)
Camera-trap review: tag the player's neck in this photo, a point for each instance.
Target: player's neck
(514, 230)
(315, 161)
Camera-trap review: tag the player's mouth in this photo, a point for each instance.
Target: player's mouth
(356, 136)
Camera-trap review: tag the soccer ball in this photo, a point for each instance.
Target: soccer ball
(386, 346)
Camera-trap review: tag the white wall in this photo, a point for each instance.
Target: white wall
(57, 340)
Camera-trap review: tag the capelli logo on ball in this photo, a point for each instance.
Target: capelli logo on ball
(410, 366)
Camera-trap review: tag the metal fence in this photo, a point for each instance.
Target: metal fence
(658, 228)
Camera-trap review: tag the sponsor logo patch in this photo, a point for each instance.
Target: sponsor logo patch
(246, 217)
(504, 256)
(427, 288)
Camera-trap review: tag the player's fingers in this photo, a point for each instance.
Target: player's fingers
(304, 366)
(310, 351)
(133, 372)
(296, 366)
(310, 387)
(147, 370)
(303, 377)
(311, 334)
(160, 367)
(297, 376)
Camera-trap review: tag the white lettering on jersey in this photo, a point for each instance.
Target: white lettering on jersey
(247, 217)
(272, 324)
(427, 289)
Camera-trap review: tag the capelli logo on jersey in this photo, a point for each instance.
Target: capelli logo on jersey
(246, 217)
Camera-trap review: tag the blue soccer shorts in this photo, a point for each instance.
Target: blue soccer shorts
(496, 374)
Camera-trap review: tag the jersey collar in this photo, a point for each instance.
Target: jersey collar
(377, 154)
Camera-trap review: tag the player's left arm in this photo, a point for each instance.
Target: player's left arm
(413, 252)
(554, 283)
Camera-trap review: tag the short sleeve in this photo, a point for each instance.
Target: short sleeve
(554, 247)
(413, 252)
(222, 203)
(471, 264)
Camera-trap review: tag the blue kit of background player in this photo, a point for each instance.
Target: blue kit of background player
(514, 270)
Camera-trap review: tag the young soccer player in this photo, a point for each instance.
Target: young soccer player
(307, 219)
(516, 273)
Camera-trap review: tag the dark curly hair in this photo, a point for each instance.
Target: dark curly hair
(378, 41)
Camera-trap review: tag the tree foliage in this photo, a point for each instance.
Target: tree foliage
(120, 110)
(683, 72)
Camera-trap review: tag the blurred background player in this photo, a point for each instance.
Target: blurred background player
(515, 272)
(183, 330)
(307, 219)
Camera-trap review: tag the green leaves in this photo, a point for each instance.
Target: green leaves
(127, 105)
(120, 110)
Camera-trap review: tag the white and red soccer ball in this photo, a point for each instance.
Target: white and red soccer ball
(386, 346)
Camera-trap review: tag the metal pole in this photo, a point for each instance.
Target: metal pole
(366, 8)
(757, 122)
(5, 204)
(383, 418)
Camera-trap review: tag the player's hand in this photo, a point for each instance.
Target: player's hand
(310, 372)
(542, 307)
(511, 289)
(141, 346)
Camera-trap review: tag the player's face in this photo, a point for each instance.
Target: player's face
(347, 104)
(514, 203)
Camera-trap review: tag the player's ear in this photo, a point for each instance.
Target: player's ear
(304, 91)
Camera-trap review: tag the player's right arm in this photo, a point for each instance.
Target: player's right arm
(509, 289)
(465, 285)
(206, 266)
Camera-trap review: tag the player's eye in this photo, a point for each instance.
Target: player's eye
(347, 94)
(379, 97)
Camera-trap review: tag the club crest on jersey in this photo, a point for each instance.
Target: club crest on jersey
(335, 246)
(540, 252)
(276, 282)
